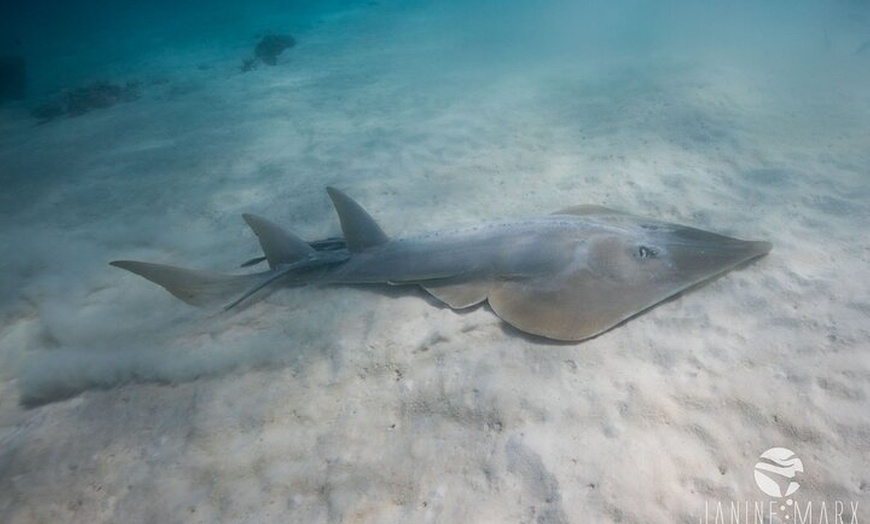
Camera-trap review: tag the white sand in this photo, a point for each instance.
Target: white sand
(380, 405)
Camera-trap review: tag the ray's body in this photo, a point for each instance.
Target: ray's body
(567, 276)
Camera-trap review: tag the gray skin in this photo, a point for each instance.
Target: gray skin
(567, 276)
(500, 249)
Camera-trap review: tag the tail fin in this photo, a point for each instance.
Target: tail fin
(197, 288)
(359, 228)
(279, 246)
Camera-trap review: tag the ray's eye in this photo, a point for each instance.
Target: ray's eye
(646, 252)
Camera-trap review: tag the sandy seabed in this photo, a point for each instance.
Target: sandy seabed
(349, 404)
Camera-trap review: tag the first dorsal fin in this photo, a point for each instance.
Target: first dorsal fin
(359, 228)
(279, 246)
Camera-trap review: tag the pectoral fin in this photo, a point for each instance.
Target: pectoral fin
(574, 307)
(618, 279)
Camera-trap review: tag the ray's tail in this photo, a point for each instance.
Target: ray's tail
(289, 258)
(195, 287)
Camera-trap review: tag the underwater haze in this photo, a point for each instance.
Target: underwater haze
(143, 130)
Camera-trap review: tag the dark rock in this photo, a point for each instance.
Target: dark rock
(98, 95)
(13, 78)
(249, 64)
(49, 110)
(76, 102)
(271, 46)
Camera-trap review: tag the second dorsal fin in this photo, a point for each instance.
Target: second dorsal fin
(359, 228)
(279, 246)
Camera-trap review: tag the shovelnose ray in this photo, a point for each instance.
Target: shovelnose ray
(567, 276)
